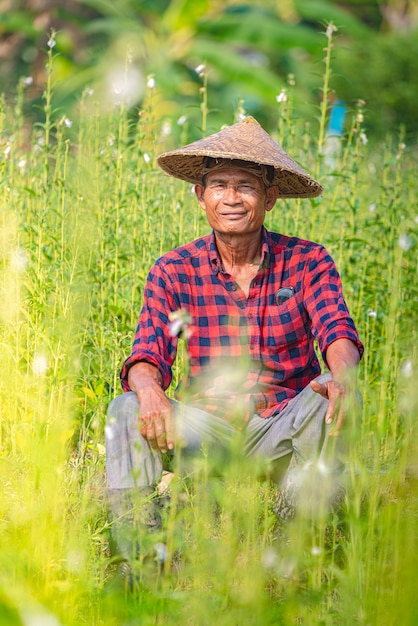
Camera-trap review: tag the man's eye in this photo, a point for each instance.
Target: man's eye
(246, 188)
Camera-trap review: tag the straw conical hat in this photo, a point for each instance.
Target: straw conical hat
(244, 141)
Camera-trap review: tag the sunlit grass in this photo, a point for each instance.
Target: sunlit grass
(83, 215)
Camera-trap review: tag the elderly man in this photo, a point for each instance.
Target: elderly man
(255, 302)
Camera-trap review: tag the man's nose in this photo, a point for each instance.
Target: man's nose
(232, 193)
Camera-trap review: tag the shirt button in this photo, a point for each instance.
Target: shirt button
(250, 316)
(234, 287)
(251, 347)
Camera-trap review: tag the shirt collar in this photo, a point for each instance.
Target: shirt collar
(215, 260)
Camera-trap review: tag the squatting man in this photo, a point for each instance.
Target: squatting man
(254, 297)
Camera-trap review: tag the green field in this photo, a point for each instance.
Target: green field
(84, 212)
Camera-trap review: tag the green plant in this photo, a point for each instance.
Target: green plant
(84, 212)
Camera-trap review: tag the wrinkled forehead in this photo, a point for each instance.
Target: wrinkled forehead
(212, 165)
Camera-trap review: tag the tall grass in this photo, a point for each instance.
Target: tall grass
(84, 213)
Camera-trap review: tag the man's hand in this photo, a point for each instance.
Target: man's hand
(156, 418)
(342, 357)
(337, 406)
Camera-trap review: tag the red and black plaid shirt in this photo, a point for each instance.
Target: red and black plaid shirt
(247, 355)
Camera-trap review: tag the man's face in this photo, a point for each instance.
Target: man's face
(235, 201)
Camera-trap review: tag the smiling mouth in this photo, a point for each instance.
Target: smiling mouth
(233, 216)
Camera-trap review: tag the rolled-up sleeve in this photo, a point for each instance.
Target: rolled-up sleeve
(152, 341)
(324, 301)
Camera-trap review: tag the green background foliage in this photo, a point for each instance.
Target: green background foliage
(251, 50)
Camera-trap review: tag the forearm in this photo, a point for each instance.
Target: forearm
(342, 357)
(144, 375)
(155, 413)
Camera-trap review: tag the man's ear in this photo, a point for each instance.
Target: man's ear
(272, 193)
(199, 191)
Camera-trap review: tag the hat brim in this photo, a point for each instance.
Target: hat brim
(244, 141)
(191, 167)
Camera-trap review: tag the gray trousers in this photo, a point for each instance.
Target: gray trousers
(298, 430)
(293, 445)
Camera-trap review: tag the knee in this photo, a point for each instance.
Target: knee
(125, 404)
(122, 415)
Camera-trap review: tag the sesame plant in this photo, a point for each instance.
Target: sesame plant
(84, 212)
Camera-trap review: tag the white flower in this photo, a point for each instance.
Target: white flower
(175, 327)
(28, 80)
(166, 128)
(34, 616)
(151, 82)
(330, 30)
(407, 369)
(89, 91)
(316, 550)
(108, 432)
(51, 42)
(269, 558)
(372, 314)
(21, 164)
(282, 97)
(39, 365)
(161, 552)
(180, 323)
(182, 120)
(200, 69)
(323, 468)
(147, 157)
(67, 122)
(125, 85)
(363, 138)
(7, 150)
(405, 242)
(19, 260)
(372, 208)
(416, 219)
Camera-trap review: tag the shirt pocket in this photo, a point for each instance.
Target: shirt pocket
(287, 325)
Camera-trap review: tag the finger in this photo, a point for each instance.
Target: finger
(169, 430)
(319, 388)
(153, 430)
(151, 438)
(160, 434)
(339, 423)
(150, 435)
(144, 420)
(331, 411)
